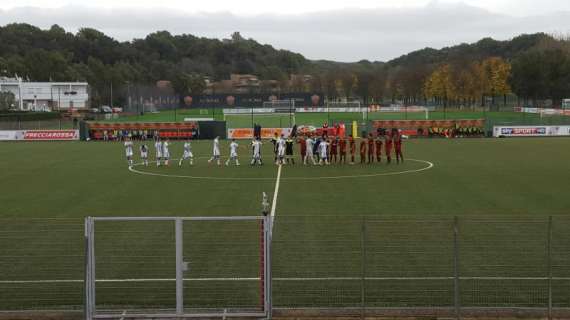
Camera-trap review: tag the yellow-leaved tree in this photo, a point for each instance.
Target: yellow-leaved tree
(440, 84)
(496, 72)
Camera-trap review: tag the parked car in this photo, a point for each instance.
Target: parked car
(106, 109)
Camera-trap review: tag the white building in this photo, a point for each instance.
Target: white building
(45, 96)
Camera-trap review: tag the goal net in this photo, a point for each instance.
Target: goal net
(267, 120)
(173, 267)
(280, 106)
(354, 105)
(398, 112)
(267, 117)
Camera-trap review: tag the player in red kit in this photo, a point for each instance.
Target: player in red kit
(398, 147)
(334, 150)
(370, 142)
(363, 144)
(303, 146)
(342, 147)
(379, 148)
(388, 147)
(352, 144)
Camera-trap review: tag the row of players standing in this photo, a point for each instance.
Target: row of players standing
(162, 149)
(324, 151)
(321, 150)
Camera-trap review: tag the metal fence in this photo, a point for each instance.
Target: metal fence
(41, 264)
(423, 266)
(48, 124)
(505, 116)
(349, 265)
(171, 267)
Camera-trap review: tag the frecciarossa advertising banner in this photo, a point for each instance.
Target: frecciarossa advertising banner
(39, 135)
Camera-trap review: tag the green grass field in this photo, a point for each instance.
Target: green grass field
(370, 221)
(478, 176)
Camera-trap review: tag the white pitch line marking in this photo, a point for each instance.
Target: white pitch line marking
(429, 166)
(125, 280)
(280, 279)
(275, 193)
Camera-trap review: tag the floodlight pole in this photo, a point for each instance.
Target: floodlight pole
(89, 284)
(179, 267)
(86, 286)
(268, 303)
(549, 266)
(363, 268)
(266, 236)
(456, 288)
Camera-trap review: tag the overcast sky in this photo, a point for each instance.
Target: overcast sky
(335, 29)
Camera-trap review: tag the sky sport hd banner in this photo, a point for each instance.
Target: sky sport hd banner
(531, 131)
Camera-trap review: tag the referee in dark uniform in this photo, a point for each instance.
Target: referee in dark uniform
(289, 150)
(274, 141)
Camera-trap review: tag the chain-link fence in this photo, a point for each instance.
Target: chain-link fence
(506, 116)
(422, 266)
(41, 264)
(49, 124)
(349, 265)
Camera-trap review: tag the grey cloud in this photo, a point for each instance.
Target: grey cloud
(342, 35)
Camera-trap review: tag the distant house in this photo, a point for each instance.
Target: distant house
(45, 96)
(238, 83)
(300, 82)
(251, 84)
(245, 83)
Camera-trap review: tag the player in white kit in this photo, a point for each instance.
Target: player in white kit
(187, 154)
(144, 154)
(256, 148)
(233, 153)
(129, 151)
(309, 154)
(280, 150)
(216, 152)
(158, 147)
(324, 152)
(166, 151)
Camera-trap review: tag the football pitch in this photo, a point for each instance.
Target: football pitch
(341, 232)
(471, 176)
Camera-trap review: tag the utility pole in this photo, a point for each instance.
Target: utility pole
(21, 102)
(129, 94)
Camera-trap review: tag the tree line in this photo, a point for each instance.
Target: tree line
(533, 67)
(111, 66)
